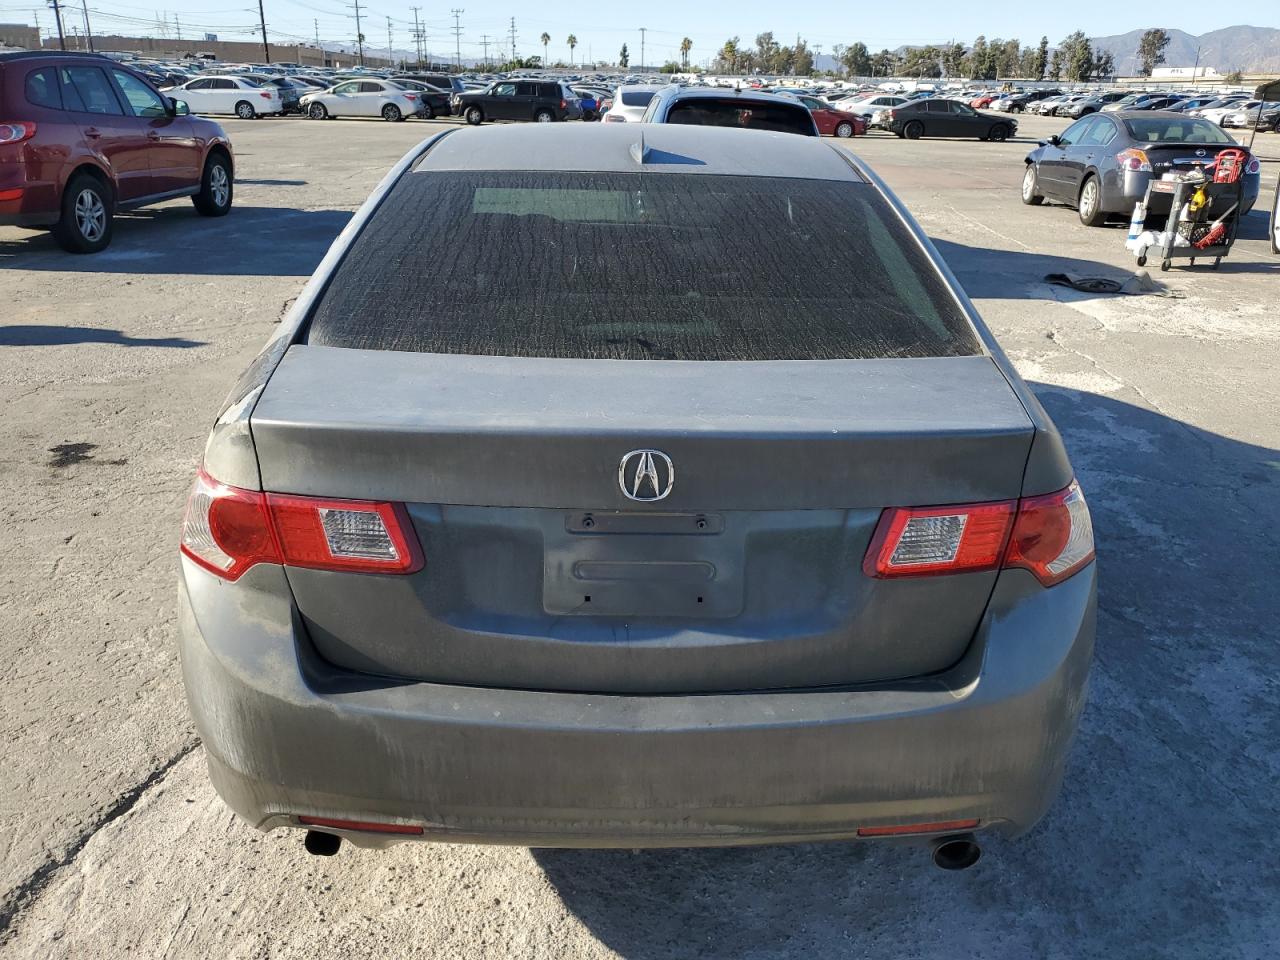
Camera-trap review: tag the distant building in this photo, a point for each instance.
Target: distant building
(19, 35)
(1185, 73)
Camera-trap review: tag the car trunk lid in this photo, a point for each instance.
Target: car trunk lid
(541, 573)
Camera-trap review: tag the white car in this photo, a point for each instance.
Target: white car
(244, 97)
(1248, 113)
(866, 107)
(362, 98)
(630, 102)
(1218, 114)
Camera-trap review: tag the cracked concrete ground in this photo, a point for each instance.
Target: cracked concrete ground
(112, 841)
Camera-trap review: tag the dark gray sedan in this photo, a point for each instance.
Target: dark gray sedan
(1102, 163)
(615, 529)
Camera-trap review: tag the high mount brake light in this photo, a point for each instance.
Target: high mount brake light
(227, 530)
(1050, 535)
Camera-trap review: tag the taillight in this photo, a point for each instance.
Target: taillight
(919, 541)
(227, 530)
(17, 132)
(411, 96)
(1053, 535)
(265, 95)
(564, 104)
(1134, 159)
(1050, 535)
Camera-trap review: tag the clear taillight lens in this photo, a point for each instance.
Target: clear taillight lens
(1051, 535)
(227, 530)
(1134, 159)
(17, 132)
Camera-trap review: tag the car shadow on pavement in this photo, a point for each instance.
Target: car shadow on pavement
(1157, 847)
(36, 335)
(1019, 275)
(174, 239)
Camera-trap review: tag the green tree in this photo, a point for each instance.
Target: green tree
(800, 59)
(1042, 58)
(1077, 57)
(884, 64)
(624, 57)
(1234, 77)
(727, 59)
(981, 66)
(1104, 65)
(685, 46)
(1151, 50)
(1055, 65)
(572, 42)
(767, 50)
(955, 60)
(546, 40)
(856, 59)
(669, 67)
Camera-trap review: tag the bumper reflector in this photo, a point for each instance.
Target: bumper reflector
(367, 826)
(904, 829)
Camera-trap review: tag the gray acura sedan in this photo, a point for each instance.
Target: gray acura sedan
(616, 529)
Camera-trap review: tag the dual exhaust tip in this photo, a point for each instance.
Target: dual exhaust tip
(959, 851)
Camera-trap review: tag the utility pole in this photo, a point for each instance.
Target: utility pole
(1196, 68)
(57, 15)
(417, 35)
(177, 27)
(84, 7)
(317, 25)
(359, 35)
(262, 19)
(390, 55)
(457, 35)
(484, 42)
(513, 40)
(642, 30)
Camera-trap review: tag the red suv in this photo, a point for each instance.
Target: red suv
(82, 136)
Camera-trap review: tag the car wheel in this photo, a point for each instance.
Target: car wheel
(1031, 187)
(475, 116)
(391, 113)
(999, 133)
(317, 111)
(214, 198)
(1090, 203)
(544, 116)
(85, 224)
(913, 130)
(428, 113)
(844, 130)
(245, 111)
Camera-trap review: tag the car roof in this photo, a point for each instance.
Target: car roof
(676, 92)
(640, 148)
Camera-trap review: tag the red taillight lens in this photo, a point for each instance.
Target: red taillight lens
(411, 96)
(906, 829)
(227, 530)
(265, 95)
(17, 132)
(14, 194)
(360, 535)
(1051, 535)
(564, 104)
(1134, 159)
(918, 541)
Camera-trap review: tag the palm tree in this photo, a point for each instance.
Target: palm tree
(685, 46)
(546, 40)
(573, 42)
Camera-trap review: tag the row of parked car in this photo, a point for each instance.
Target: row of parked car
(1226, 110)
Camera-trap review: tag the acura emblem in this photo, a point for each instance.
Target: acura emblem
(646, 475)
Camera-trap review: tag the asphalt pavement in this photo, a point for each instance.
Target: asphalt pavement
(112, 842)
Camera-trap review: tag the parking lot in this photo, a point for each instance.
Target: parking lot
(1160, 846)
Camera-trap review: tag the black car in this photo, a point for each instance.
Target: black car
(1159, 103)
(290, 92)
(541, 100)
(1019, 103)
(435, 102)
(1102, 163)
(936, 117)
(441, 81)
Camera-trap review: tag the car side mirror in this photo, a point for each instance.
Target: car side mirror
(1054, 140)
(180, 108)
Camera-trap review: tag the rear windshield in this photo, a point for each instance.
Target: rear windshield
(636, 266)
(735, 112)
(1176, 130)
(637, 98)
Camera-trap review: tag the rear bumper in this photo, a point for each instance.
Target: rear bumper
(286, 735)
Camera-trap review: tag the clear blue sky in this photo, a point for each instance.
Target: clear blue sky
(603, 28)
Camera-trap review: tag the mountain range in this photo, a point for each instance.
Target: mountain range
(1244, 48)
